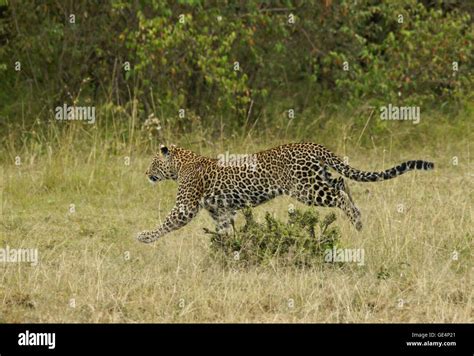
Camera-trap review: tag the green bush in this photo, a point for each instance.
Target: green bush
(302, 241)
(166, 56)
(405, 53)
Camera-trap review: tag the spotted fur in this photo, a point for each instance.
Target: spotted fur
(300, 170)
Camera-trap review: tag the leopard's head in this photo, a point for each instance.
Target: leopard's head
(162, 167)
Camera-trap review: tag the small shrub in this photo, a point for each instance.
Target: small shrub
(302, 241)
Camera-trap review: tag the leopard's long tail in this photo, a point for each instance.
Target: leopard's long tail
(361, 176)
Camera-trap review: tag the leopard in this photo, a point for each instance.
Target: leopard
(223, 187)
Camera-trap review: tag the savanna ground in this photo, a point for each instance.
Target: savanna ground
(417, 237)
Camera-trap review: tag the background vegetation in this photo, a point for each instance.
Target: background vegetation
(236, 69)
(235, 65)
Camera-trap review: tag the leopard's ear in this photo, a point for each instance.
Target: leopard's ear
(164, 150)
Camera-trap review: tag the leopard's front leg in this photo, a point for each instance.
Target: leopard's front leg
(187, 206)
(224, 221)
(179, 216)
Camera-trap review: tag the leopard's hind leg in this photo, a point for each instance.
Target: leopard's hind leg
(338, 183)
(325, 195)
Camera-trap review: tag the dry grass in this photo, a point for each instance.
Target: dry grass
(91, 258)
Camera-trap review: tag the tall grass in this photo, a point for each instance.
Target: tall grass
(92, 270)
